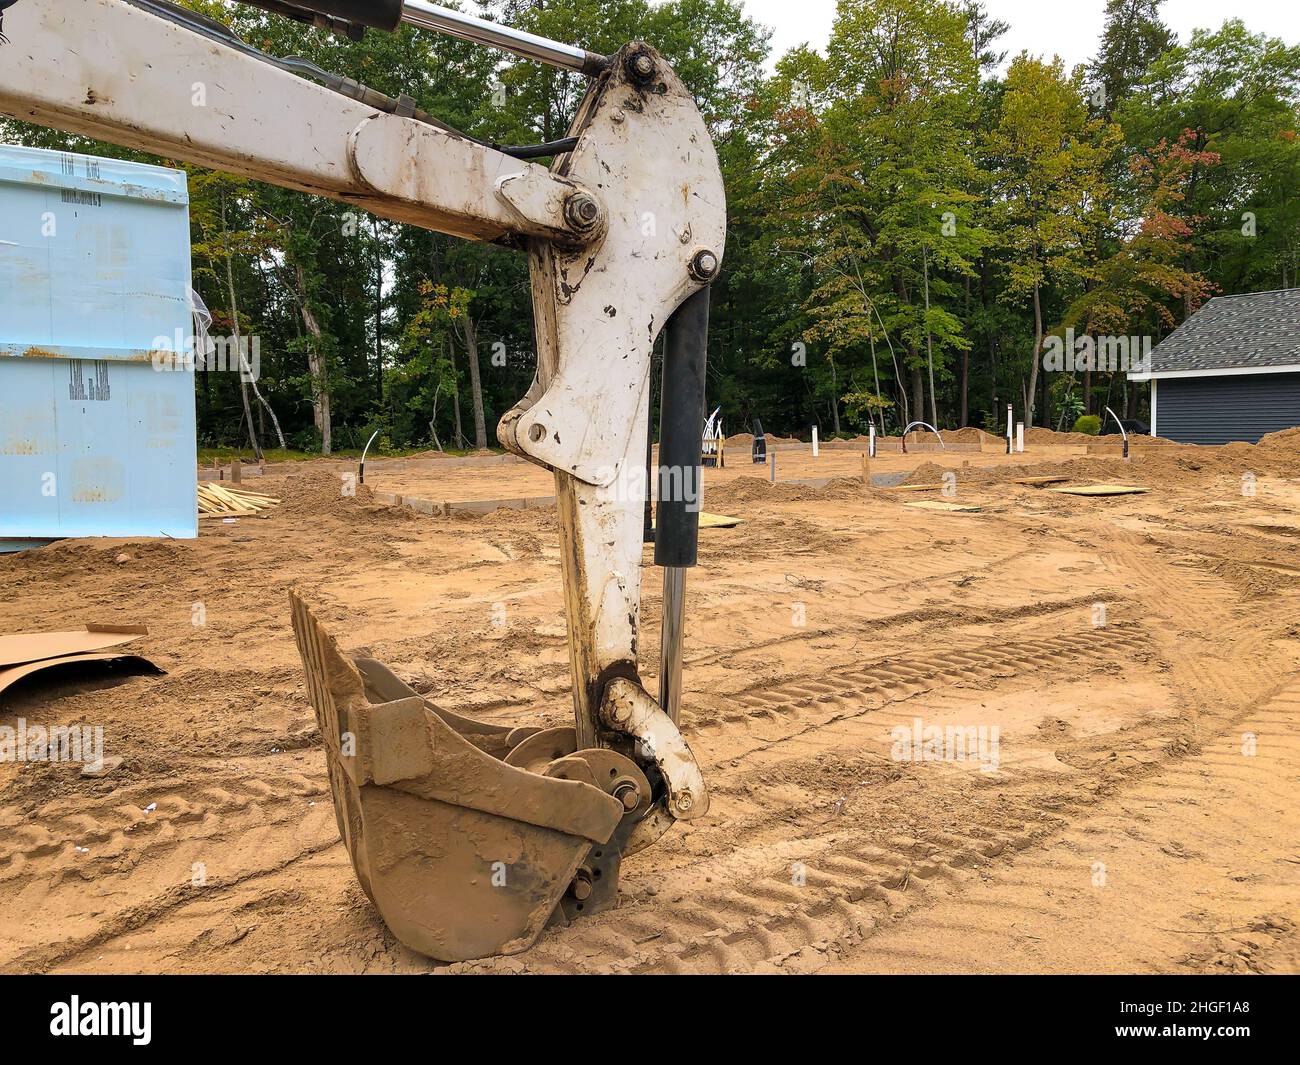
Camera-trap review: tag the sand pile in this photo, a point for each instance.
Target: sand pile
(746, 440)
(969, 434)
(312, 493)
(754, 489)
(1051, 438)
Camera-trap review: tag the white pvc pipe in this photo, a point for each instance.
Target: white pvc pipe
(1121, 429)
(926, 425)
(814, 441)
(361, 478)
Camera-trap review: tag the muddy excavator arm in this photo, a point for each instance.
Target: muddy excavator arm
(470, 837)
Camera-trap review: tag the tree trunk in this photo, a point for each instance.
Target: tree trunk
(965, 372)
(433, 418)
(469, 333)
(235, 336)
(246, 369)
(835, 401)
(875, 373)
(918, 398)
(990, 335)
(1033, 368)
(965, 388)
(320, 389)
(458, 440)
(1047, 399)
(929, 343)
(379, 314)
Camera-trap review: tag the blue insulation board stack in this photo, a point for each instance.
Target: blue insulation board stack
(97, 433)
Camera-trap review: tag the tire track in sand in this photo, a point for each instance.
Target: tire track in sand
(851, 885)
(755, 912)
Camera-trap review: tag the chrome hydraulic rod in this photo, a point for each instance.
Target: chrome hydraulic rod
(495, 35)
(670, 642)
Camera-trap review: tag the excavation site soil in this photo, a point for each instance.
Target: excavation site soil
(1045, 733)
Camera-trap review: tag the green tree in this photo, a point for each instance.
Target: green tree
(1134, 37)
(1049, 156)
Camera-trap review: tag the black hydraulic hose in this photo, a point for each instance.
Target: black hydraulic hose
(375, 14)
(537, 151)
(681, 427)
(647, 519)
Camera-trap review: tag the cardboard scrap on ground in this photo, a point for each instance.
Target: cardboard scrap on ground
(13, 674)
(1101, 490)
(23, 647)
(25, 653)
(1039, 481)
(918, 488)
(938, 504)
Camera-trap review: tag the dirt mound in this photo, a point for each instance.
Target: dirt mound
(926, 473)
(319, 492)
(1286, 439)
(755, 489)
(1051, 438)
(746, 440)
(968, 434)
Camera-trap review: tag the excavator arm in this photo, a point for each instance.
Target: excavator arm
(471, 837)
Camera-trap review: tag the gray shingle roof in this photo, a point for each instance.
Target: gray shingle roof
(1235, 332)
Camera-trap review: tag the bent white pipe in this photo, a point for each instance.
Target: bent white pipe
(926, 425)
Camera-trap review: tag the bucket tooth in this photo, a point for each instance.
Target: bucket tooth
(463, 855)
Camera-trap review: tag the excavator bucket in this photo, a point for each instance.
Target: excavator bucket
(463, 854)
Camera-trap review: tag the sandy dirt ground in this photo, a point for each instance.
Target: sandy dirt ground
(445, 480)
(1129, 665)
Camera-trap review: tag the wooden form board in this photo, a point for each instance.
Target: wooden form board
(938, 504)
(1101, 490)
(716, 521)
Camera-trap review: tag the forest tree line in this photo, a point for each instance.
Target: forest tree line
(913, 215)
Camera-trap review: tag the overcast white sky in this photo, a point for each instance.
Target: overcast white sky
(1068, 28)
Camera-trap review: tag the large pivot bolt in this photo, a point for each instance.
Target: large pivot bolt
(640, 67)
(704, 266)
(627, 792)
(582, 887)
(581, 211)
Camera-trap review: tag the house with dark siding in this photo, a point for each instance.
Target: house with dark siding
(1230, 372)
